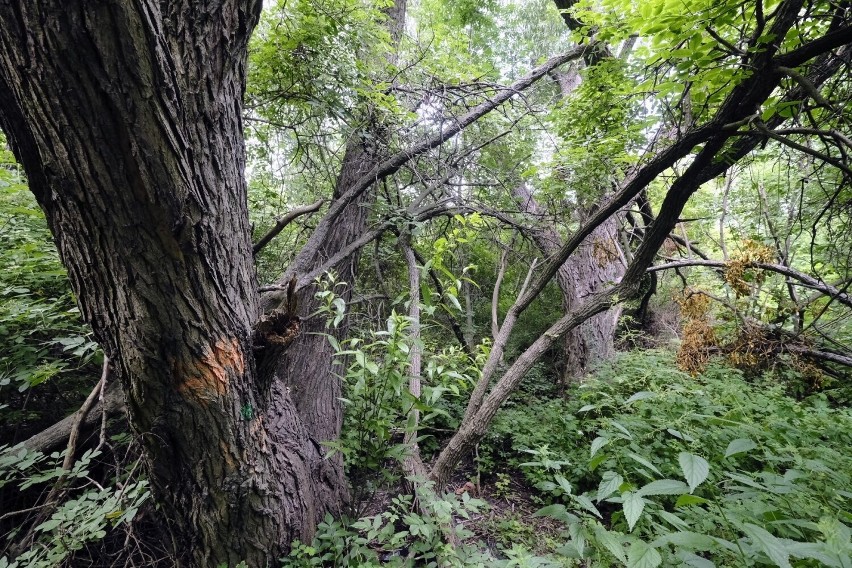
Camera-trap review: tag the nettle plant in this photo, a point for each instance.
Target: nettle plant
(706, 472)
(377, 402)
(409, 532)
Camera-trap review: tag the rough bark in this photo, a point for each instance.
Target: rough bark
(309, 367)
(595, 265)
(127, 119)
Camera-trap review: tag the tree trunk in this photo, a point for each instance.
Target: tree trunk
(595, 265)
(127, 119)
(309, 367)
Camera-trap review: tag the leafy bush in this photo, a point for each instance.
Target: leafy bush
(41, 330)
(85, 517)
(683, 471)
(403, 535)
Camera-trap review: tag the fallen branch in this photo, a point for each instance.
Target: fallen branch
(56, 436)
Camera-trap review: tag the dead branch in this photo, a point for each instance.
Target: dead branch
(804, 279)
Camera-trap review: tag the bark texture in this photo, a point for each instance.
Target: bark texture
(127, 118)
(595, 265)
(309, 367)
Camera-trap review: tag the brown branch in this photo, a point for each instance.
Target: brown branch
(808, 51)
(495, 296)
(55, 436)
(283, 222)
(81, 416)
(823, 355)
(805, 279)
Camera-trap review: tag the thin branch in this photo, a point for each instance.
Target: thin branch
(805, 279)
(804, 149)
(809, 87)
(284, 221)
(495, 296)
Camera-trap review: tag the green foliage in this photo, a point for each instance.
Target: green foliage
(84, 518)
(40, 325)
(376, 399)
(600, 124)
(682, 470)
(408, 533)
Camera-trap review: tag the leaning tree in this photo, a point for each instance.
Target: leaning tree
(127, 117)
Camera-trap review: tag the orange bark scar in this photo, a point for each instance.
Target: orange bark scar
(207, 377)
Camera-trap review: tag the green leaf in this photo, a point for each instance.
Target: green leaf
(673, 520)
(454, 301)
(641, 395)
(645, 462)
(587, 504)
(813, 550)
(597, 444)
(739, 446)
(686, 539)
(564, 484)
(680, 435)
(664, 487)
(686, 500)
(695, 561)
(695, 469)
(633, 504)
(769, 544)
(642, 555)
(609, 484)
(611, 542)
(557, 511)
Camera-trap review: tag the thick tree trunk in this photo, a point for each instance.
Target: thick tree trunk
(595, 265)
(127, 119)
(309, 367)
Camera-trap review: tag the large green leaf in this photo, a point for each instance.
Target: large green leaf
(633, 504)
(664, 487)
(642, 555)
(695, 469)
(611, 542)
(609, 484)
(769, 544)
(739, 446)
